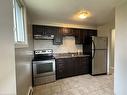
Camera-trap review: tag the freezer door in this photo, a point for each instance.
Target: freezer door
(99, 42)
(99, 62)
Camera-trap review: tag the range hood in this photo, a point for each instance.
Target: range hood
(44, 37)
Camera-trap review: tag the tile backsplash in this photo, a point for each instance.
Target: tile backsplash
(67, 46)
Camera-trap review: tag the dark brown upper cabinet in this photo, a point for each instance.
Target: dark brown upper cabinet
(37, 30)
(48, 30)
(40, 31)
(91, 32)
(78, 36)
(87, 38)
(81, 35)
(67, 31)
(58, 37)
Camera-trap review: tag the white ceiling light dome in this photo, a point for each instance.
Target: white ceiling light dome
(83, 14)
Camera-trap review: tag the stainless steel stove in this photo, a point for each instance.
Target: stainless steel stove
(43, 67)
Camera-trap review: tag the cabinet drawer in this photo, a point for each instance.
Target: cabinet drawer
(61, 73)
(60, 66)
(59, 60)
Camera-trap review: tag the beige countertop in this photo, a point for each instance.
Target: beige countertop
(57, 56)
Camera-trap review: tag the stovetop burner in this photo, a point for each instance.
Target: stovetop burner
(40, 55)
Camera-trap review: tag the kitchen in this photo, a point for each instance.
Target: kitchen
(52, 48)
(62, 52)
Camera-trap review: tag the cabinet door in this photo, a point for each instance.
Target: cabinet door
(82, 66)
(70, 67)
(61, 68)
(40, 30)
(67, 31)
(92, 32)
(37, 30)
(49, 30)
(85, 63)
(58, 38)
(80, 36)
(60, 72)
(77, 36)
(64, 68)
(83, 34)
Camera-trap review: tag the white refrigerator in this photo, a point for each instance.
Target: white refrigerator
(99, 55)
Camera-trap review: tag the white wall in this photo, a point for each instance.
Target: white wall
(106, 31)
(23, 61)
(7, 57)
(112, 51)
(67, 46)
(121, 50)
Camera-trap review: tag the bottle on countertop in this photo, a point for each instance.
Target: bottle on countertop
(78, 52)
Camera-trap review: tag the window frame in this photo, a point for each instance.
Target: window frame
(20, 44)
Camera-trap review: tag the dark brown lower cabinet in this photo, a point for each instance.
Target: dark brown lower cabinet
(67, 67)
(82, 65)
(64, 68)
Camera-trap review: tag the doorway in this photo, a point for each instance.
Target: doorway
(111, 65)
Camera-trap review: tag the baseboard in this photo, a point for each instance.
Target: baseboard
(30, 91)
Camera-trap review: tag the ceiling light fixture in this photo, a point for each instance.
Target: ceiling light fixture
(83, 14)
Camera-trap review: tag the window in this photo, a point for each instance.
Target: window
(19, 23)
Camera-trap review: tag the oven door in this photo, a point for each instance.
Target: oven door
(43, 68)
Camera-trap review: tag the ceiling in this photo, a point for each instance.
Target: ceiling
(64, 11)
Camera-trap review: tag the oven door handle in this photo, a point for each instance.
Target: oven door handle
(43, 62)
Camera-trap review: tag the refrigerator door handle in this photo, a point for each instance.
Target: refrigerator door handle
(93, 49)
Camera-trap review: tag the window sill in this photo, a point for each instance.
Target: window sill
(21, 45)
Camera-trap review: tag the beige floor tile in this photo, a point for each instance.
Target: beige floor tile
(56, 89)
(78, 85)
